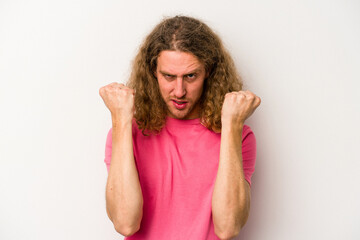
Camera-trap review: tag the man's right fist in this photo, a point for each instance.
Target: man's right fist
(119, 99)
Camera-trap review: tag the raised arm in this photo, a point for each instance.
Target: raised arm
(231, 195)
(124, 200)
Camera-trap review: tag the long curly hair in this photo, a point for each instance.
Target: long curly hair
(186, 34)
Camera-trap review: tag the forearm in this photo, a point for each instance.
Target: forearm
(124, 199)
(231, 196)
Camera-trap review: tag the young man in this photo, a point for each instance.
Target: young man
(179, 156)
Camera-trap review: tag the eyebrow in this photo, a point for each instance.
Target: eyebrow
(190, 72)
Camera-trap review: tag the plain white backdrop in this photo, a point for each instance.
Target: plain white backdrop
(301, 57)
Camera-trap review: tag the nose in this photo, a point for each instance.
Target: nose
(180, 90)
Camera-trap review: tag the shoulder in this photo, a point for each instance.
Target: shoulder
(248, 137)
(247, 131)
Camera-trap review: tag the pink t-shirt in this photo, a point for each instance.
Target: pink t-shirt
(177, 171)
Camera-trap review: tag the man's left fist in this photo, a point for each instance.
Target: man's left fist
(238, 106)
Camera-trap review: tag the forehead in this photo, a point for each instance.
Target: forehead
(177, 62)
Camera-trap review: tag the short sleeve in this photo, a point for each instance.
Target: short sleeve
(248, 152)
(108, 148)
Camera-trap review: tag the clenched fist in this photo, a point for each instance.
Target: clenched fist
(238, 106)
(119, 99)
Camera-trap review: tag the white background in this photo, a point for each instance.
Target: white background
(301, 57)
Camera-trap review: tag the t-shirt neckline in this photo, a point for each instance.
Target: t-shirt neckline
(177, 122)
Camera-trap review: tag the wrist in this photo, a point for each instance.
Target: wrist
(232, 126)
(118, 121)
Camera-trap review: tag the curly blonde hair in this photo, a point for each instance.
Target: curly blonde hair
(186, 34)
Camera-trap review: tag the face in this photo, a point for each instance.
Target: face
(181, 79)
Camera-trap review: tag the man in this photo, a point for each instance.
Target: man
(179, 156)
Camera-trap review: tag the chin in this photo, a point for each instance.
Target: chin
(178, 116)
(174, 113)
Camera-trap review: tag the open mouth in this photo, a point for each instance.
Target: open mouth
(179, 104)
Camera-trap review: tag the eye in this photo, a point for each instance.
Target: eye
(191, 76)
(168, 76)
